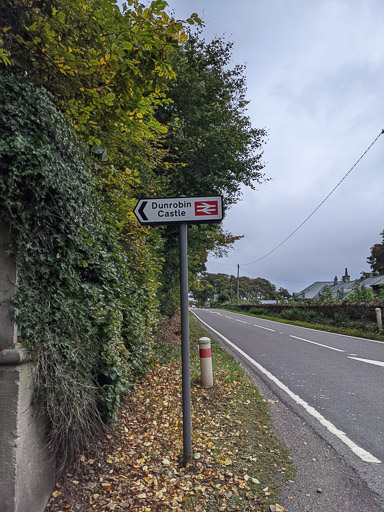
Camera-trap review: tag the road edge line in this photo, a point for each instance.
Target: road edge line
(357, 450)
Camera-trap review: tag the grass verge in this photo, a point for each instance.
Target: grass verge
(238, 463)
(239, 439)
(319, 327)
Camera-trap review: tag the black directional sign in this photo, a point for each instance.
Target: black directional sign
(192, 210)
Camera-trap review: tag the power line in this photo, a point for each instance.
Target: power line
(265, 277)
(270, 277)
(258, 275)
(225, 264)
(315, 210)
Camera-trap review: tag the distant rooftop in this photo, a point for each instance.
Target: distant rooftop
(340, 289)
(312, 290)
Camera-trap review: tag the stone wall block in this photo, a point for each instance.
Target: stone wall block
(27, 469)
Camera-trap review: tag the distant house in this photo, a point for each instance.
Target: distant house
(375, 282)
(311, 291)
(340, 289)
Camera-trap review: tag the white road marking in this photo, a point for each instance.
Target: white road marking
(315, 343)
(345, 335)
(370, 361)
(327, 332)
(228, 317)
(242, 321)
(357, 450)
(262, 327)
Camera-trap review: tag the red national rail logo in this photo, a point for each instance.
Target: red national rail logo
(206, 208)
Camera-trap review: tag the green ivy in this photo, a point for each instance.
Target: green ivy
(82, 316)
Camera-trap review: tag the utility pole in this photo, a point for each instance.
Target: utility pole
(238, 283)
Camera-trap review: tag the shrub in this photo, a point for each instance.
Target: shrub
(258, 311)
(82, 317)
(290, 314)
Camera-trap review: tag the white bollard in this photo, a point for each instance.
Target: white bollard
(206, 362)
(379, 319)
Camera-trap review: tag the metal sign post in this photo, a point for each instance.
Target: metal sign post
(185, 356)
(183, 211)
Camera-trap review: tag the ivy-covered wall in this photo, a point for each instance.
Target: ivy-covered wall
(83, 317)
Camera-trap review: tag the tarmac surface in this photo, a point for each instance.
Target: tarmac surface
(326, 480)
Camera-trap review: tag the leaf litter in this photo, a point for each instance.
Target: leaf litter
(238, 462)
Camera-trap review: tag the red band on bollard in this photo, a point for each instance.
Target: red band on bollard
(205, 352)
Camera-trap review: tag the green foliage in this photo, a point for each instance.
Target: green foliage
(82, 316)
(325, 295)
(303, 315)
(250, 290)
(257, 311)
(202, 291)
(376, 258)
(340, 322)
(106, 68)
(223, 298)
(361, 294)
(217, 149)
(212, 147)
(341, 318)
(156, 114)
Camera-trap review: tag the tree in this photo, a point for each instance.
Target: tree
(107, 69)
(225, 286)
(87, 271)
(83, 316)
(376, 259)
(325, 295)
(212, 147)
(202, 291)
(361, 294)
(283, 294)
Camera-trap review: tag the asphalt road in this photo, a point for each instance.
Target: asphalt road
(329, 386)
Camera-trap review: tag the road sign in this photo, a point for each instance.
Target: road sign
(183, 211)
(192, 210)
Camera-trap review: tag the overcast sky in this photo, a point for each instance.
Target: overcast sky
(315, 77)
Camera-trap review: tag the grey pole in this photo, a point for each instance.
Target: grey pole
(238, 283)
(185, 357)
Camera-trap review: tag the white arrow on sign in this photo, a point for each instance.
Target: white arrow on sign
(169, 210)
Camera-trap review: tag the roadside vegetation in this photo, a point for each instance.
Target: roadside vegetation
(101, 106)
(222, 288)
(239, 463)
(302, 318)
